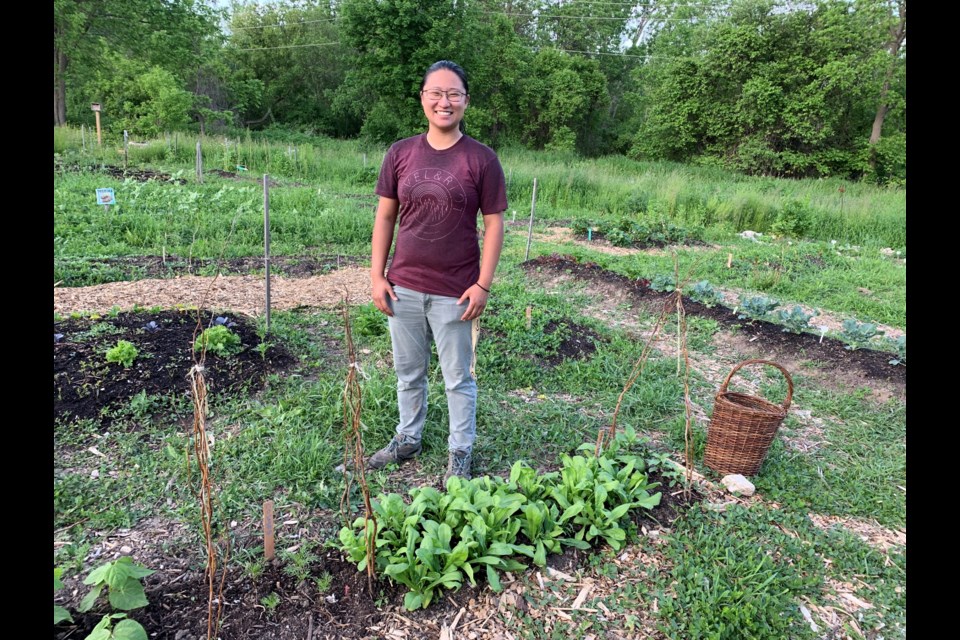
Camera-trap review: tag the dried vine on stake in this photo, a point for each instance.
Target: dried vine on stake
(201, 445)
(353, 442)
(674, 301)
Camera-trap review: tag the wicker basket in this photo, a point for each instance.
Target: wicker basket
(743, 426)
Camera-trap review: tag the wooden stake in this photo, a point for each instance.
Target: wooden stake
(199, 163)
(529, 316)
(729, 260)
(268, 530)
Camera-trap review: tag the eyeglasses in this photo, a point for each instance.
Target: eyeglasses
(453, 95)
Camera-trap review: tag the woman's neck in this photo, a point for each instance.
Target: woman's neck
(441, 140)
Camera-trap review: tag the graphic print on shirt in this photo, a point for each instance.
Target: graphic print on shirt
(437, 200)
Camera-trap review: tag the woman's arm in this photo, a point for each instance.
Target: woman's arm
(492, 245)
(383, 227)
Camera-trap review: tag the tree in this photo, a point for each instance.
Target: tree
(898, 36)
(767, 88)
(162, 32)
(142, 99)
(293, 49)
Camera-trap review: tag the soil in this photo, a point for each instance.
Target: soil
(755, 339)
(178, 608)
(86, 386)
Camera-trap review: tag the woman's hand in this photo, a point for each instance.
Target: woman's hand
(478, 302)
(381, 292)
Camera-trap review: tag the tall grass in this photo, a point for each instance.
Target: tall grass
(567, 186)
(570, 187)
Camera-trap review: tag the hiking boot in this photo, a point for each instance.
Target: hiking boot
(400, 448)
(458, 464)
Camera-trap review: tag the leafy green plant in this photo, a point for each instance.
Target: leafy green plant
(59, 613)
(220, 340)
(900, 344)
(706, 294)
(859, 334)
(324, 582)
(270, 601)
(795, 320)
(254, 568)
(662, 282)
(756, 307)
(121, 578)
(125, 629)
(124, 353)
(297, 563)
(660, 463)
(440, 539)
(619, 238)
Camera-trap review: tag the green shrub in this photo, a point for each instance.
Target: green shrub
(793, 220)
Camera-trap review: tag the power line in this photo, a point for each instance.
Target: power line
(541, 16)
(284, 24)
(288, 46)
(619, 55)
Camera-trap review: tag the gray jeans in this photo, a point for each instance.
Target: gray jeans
(418, 319)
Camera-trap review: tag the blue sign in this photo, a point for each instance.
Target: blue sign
(105, 196)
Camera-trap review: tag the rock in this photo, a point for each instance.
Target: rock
(750, 235)
(736, 483)
(125, 550)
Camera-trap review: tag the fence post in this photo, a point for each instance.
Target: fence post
(533, 205)
(266, 241)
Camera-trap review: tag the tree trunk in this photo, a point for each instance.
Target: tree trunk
(59, 87)
(897, 36)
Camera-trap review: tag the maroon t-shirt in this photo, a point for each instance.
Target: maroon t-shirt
(440, 193)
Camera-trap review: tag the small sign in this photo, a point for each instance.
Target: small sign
(105, 196)
(95, 106)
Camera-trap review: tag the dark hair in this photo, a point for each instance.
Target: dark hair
(449, 66)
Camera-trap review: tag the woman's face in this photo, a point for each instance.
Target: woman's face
(442, 114)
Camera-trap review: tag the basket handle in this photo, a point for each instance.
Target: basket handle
(786, 374)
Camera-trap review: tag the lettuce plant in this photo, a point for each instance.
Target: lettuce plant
(219, 340)
(124, 353)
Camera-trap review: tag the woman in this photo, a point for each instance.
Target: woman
(435, 183)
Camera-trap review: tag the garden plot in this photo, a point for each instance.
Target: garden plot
(327, 597)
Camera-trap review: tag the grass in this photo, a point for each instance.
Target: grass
(739, 573)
